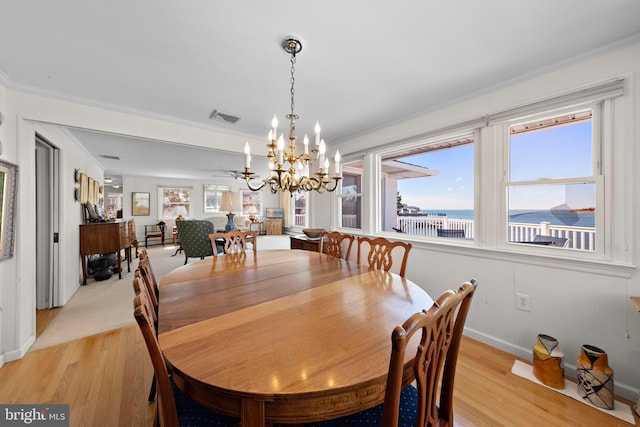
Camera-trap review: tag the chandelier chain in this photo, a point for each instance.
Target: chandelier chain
(293, 82)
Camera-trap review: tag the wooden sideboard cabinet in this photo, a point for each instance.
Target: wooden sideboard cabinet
(302, 242)
(103, 238)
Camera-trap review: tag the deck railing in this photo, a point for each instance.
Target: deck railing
(578, 238)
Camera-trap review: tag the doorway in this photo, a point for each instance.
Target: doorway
(47, 224)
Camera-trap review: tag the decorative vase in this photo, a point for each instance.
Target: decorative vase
(595, 377)
(548, 362)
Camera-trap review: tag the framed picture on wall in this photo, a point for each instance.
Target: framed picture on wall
(140, 204)
(251, 203)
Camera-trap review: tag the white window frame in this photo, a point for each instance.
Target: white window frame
(595, 178)
(344, 166)
(161, 204)
(602, 237)
(292, 206)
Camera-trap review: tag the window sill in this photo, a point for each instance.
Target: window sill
(535, 256)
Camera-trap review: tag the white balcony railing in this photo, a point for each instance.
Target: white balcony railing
(579, 238)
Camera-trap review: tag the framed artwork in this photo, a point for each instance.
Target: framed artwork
(213, 197)
(251, 203)
(140, 204)
(8, 203)
(84, 188)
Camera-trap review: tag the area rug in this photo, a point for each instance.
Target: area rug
(101, 306)
(621, 410)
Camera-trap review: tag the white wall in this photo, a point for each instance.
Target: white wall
(575, 302)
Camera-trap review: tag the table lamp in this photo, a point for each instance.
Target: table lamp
(227, 204)
(252, 211)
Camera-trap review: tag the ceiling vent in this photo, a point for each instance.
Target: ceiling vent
(224, 117)
(107, 156)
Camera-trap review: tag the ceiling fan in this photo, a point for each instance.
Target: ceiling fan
(231, 173)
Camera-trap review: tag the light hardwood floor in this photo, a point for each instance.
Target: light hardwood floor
(105, 378)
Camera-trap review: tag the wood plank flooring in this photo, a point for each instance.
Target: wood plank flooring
(105, 378)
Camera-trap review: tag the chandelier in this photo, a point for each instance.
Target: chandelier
(298, 175)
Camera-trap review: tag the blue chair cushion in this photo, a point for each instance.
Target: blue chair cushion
(373, 416)
(191, 414)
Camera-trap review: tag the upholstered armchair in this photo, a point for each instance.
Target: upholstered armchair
(194, 238)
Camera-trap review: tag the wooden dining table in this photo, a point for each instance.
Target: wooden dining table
(283, 336)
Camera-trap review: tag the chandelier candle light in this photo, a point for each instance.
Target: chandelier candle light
(293, 178)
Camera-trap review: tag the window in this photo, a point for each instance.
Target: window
(427, 189)
(350, 198)
(213, 197)
(552, 181)
(175, 201)
(299, 209)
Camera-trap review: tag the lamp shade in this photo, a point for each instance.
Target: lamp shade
(228, 202)
(181, 211)
(252, 210)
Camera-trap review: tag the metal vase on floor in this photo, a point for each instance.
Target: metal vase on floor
(595, 377)
(548, 362)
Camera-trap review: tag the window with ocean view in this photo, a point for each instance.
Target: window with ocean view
(551, 184)
(428, 189)
(351, 195)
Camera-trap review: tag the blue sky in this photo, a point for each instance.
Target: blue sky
(556, 152)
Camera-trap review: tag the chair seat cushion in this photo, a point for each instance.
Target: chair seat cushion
(373, 416)
(191, 413)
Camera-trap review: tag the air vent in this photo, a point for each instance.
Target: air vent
(107, 156)
(224, 117)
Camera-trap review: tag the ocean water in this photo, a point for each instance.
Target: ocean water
(527, 216)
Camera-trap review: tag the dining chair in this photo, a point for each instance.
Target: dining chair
(430, 402)
(379, 252)
(146, 272)
(174, 407)
(234, 241)
(131, 233)
(333, 244)
(194, 238)
(153, 301)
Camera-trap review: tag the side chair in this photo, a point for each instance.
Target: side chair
(430, 402)
(174, 407)
(154, 231)
(234, 241)
(379, 253)
(332, 243)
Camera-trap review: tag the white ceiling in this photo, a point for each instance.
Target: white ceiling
(364, 63)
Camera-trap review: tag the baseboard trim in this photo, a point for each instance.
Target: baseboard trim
(19, 353)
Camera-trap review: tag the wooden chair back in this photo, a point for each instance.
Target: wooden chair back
(379, 253)
(131, 233)
(336, 244)
(149, 278)
(167, 414)
(234, 241)
(440, 330)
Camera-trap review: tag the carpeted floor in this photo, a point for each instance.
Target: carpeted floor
(104, 305)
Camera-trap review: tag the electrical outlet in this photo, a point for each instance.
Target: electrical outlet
(523, 302)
